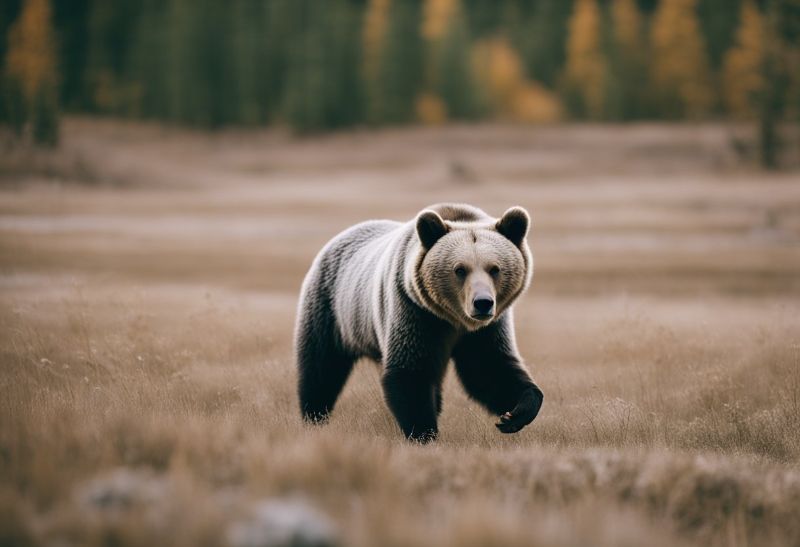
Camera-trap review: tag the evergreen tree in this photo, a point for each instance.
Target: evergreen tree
(110, 27)
(376, 20)
(248, 67)
(483, 17)
(9, 11)
(283, 21)
(448, 72)
(70, 20)
(400, 69)
(455, 83)
(781, 65)
(718, 20)
(542, 42)
(323, 88)
(201, 82)
(626, 97)
(31, 71)
(742, 77)
(148, 63)
(679, 65)
(585, 71)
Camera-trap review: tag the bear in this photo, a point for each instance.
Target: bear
(413, 296)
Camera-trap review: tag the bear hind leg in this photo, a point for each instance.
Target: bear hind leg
(323, 369)
(320, 384)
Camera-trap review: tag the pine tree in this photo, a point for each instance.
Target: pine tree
(248, 65)
(742, 77)
(70, 24)
(585, 71)
(148, 65)
(323, 88)
(679, 64)
(31, 68)
(718, 22)
(626, 97)
(483, 17)
(455, 83)
(201, 79)
(376, 20)
(283, 21)
(780, 70)
(448, 71)
(542, 43)
(110, 27)
(400, 68)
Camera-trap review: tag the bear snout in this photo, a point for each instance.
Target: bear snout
(482, 306)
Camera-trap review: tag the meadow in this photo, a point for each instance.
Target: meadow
(148, 284)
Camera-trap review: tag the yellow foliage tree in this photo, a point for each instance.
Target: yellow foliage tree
(31, 66)
(430, 109)
(742, 74)
(375, 23)
(534, 103)
(499, 71)
(585, 71)
(627, 21)
(436, 17)
(679, 67)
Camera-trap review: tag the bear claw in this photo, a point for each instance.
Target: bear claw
(507, 424)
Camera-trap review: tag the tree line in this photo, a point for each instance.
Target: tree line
(339, 63)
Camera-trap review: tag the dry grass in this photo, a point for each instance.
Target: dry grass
(148, 328)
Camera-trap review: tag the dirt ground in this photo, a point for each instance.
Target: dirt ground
(148, 284)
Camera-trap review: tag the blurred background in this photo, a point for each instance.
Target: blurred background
(353, 63)
(170, 168)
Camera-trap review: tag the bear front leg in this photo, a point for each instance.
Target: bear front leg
(491, 371)
(526, 410)
(412, 397)
(415, 358)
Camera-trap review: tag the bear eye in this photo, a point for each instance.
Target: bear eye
(494, 270)
(461, 272)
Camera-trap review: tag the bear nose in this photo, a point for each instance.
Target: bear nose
(483, 304)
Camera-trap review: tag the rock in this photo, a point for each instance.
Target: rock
(122, 489)
(283, 523)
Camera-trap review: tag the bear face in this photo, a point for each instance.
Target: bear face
(469, 272)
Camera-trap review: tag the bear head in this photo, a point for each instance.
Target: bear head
(471, 269)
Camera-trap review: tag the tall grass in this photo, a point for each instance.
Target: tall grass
(689, 437)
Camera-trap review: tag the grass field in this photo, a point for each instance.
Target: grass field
(147, 297)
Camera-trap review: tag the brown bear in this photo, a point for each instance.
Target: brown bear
(412, 296)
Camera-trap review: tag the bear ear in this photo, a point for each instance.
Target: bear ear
(514, 225)
(430, 228)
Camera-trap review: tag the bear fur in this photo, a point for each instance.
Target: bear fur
(413, 296)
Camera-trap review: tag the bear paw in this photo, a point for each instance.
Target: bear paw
(523, 414)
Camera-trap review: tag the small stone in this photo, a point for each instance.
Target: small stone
(122, 489)
(283, 523)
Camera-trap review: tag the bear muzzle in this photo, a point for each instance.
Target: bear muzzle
(482, 307)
